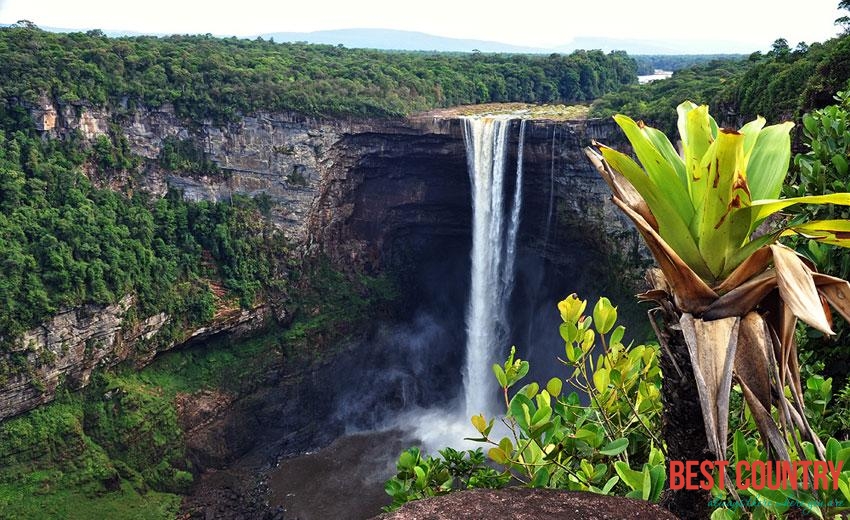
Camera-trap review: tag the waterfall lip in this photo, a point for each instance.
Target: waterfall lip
(534, 112)
(493, 251)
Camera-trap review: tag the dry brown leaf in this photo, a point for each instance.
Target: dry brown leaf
(712, 346)
(752, 266)
(752, 357)
(836, 291)
(797, 288)
(765, 424)
(742, 299)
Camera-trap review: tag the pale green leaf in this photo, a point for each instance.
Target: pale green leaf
(834, 232)
(661, 143)
(615, 447)
(767, 207)
(695, 145)
(751, 133)
(662, 174)
(768, 165)
(725, 192)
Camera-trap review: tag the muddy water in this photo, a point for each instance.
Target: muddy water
(344, 481)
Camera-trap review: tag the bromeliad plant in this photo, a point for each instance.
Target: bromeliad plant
(710, 217)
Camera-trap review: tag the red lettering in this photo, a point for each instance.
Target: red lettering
(774, 469)
(789, 475)
(757, 478)
(677, 474)
(721, 473)
(705, 469)
(805, 464)
(834, 472)
(690, 473)
(819, 470)
(740, 467)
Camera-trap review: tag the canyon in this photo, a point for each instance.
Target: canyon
(370, 196)
(367, 194)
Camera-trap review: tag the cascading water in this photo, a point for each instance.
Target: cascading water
(493, 253)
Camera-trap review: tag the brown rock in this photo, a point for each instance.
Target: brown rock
(527, 504)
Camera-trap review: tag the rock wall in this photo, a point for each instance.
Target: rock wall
(66, 350)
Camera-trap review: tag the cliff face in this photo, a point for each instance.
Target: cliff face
(367, 194)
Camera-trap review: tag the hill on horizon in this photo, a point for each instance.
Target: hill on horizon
(394, 39)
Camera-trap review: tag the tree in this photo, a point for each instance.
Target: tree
(843, 21)
(728, 294)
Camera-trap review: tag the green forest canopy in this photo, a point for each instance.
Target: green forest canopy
(213, 78)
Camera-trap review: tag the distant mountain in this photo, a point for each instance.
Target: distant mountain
(391, 39)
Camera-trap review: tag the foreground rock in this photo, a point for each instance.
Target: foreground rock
(527, 504)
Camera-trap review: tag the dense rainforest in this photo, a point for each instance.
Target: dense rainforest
(212, 78)
(783, 83)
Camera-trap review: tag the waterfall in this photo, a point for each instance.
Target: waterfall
(551, 192)
(513, 229)
(493, 253)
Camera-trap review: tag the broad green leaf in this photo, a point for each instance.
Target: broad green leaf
(695, 145)
(522, 371)
(658, 476)
(833, 447)
(738, 257)
(604, 315)
(767, 207)
(601, 379)
(683, 110)
(662, 174)
(810, 123)
(844, 487)
(541, 478)
(497, 455)
(768, 165)
(421, 478)
(554, 386)
(834, 232)
(615, 447)
(479, 422)
(519, 406)
(663, 145)
(723, 514)
(751, 133)
(840, 163)
(500, 375)
(569, 332)
(739, 446)
(632, 478)
(408, 459)
(506, 445)
(726, 191)
(541, 416)
(646, 490)
(610, 484)
(617, 335)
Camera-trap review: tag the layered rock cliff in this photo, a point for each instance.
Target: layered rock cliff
(366, 194)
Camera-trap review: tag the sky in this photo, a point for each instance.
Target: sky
(755, 24)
